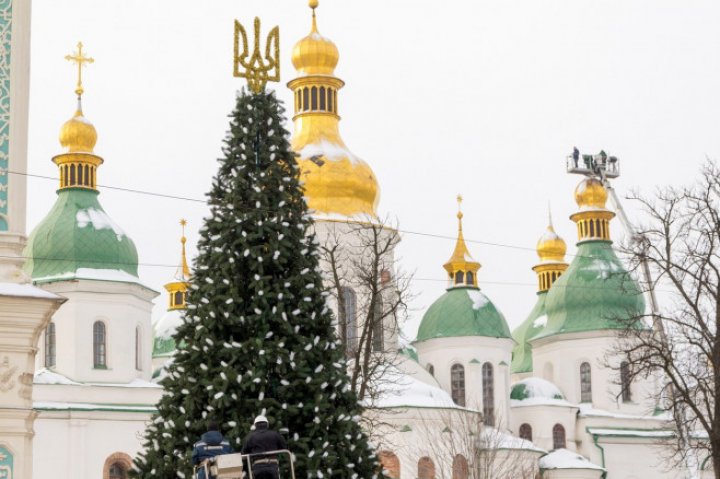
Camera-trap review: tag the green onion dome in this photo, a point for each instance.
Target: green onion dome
(595, 293)
(463, 311)
(78, 240)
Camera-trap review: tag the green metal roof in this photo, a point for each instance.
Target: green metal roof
(522, 352)
(78, 239)
(595, 293)
(462, 311)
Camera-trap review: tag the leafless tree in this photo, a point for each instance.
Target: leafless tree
(371, 293)
(460, 440)
(680, 243)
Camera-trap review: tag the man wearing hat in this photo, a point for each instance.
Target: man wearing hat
(263, 439)
(211, 444)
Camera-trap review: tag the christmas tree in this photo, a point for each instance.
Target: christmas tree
(258, 335)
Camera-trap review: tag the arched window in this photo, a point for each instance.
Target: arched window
(314, 98)
(558, 436)
(488, 386)
(335, 100)
(50, 345)
(81, 177)
(390, 463)
(457, 384)
(117, 466)
(625, 383)
(426, 468)
(322, 98)
(72, 175)
(138, 349)
(305, 99)
(460, 467)
(178, 299)
(117, 471)
(378, 329)
(330, 100)
(469, 279)
(525, 432)
(99, 351)
(459, 276)
(350, 319)
(431, 369)
(592, 228)
(585, 383)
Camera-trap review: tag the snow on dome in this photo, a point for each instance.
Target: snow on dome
(164, 330)
(564, 459)
(99, 220)
(479, 300)
(534, 389)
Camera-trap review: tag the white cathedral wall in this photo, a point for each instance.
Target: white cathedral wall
(542, 419)
(558, 359)
(122, 307)
(637, 459)
(472, 352)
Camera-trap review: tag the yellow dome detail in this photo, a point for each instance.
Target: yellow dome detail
(591, 193)
(315, 54)
(78, 135)
(461, 267)
(336, 181)
(177, 289)
(551, 249)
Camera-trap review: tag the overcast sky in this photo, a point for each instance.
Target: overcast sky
(483, 98)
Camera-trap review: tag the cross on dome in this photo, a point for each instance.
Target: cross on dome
(461, 266)
(80, 59)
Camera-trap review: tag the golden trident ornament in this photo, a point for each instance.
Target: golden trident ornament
(255, 67)
(81, 60)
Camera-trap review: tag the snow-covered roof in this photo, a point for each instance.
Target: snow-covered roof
(496, 439)
(45, 376)
(586, 410)
(536, 392)
(399, 389)
(564, 459)
(25, 291)
(648, 433)
(71, 406)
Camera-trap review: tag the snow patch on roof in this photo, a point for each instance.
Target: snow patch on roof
(587, 410)
(541, 321)
(564, 459)
(45, 376)
(93, 274)
(65, 406)
(603, 268)
(330, 151)
(402, 390)
(492, 438)
(99, 220)
(658, 433)
(166, 327)
(535, 388)
(25, 291)
(478, 299)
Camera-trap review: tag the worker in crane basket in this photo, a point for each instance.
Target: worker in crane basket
(263, 439)
(211, 444)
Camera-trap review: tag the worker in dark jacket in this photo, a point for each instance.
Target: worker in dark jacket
(263, 439)
(211, 444)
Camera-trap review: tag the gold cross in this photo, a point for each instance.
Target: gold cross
(80, 59)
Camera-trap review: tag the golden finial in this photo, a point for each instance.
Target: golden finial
(255, 67)
(460, 214)
(81, 60)
(185, 269)
(313, 4)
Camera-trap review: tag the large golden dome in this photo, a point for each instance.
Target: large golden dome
(550, 246)
(78, 134)
(591, 194)
(337, 182)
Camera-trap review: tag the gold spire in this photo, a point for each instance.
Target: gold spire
(337, 182)
(593, 219)
(81, 60)
(78, 165)
(461, 267)
(551, 250)
(178, 289)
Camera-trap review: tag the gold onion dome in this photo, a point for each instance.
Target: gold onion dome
(315, 54)
(591, 194)
(78, 134)
(550, 246)
(336, 181)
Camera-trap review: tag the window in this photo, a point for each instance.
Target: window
(117, 471)
(525, 432)
(469, 278)
(390, 463)
(99, 352)
(305, 99)
(459, 277)
(459, 467)
(178, 300)
(314, 98)
(330, 99)
(350, 326)
(625, 383)
(426, 468)
(558, 436)
(322, 98)
(81, 178)
(72, 175)
(585, 383)
(457, 384)
(138, 349)
(431, 369)
(50, 345)
(378, 327)
(488, 386)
